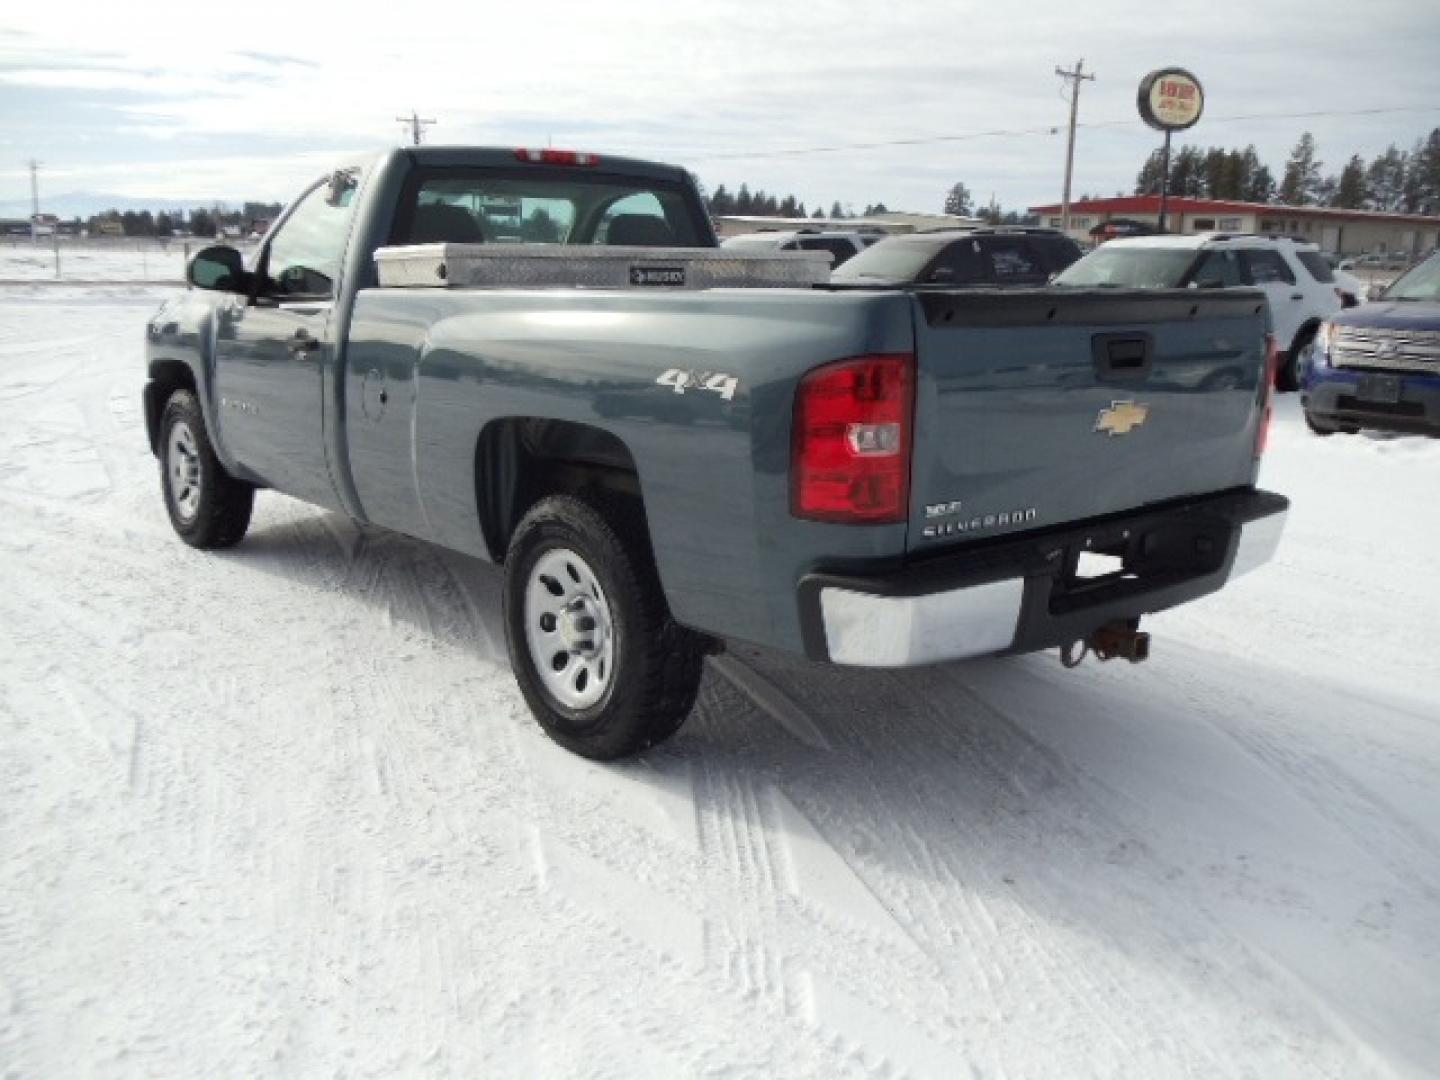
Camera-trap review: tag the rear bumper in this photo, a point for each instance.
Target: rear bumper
(1014, 596)
(1332, 394)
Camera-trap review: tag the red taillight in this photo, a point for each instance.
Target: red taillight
(850, 458)
(556, 157)
(1267, 392)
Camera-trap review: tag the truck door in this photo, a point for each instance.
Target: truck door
(271, 351)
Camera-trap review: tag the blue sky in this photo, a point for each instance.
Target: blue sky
(187, 102)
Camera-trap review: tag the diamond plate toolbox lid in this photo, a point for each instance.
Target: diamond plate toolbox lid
(527, 266)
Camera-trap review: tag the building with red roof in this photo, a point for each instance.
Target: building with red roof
(1347, 232)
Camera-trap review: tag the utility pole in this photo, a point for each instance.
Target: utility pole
(1074, 78)
(34, 200)
(416, 125)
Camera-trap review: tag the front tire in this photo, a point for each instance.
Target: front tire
(602, 665)
(208, 508)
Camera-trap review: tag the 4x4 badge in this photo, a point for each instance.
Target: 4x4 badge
(1121, 418)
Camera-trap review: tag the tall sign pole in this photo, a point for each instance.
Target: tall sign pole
(1169, 100)
(1075, 78)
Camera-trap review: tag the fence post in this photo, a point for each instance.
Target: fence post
(55, 236)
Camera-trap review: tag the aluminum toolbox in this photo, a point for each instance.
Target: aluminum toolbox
(523, 266)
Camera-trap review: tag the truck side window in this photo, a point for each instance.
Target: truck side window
(1218, 269)
(304, 255)
(1267, 267)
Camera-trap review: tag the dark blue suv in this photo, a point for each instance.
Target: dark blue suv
(1378, 365)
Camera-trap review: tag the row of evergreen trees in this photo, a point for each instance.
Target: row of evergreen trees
(1395, 180)
(197, 222)
(746, 203)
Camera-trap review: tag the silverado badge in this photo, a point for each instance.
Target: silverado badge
(1121, 418)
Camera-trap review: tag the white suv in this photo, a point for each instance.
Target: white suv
(840, 245)
(1295, 277)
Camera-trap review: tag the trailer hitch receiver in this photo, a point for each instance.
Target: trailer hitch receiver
(1121, 638)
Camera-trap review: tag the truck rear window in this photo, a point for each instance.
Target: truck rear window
(545, 206)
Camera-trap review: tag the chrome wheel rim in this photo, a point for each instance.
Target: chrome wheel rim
(569, 630)
(182, 465)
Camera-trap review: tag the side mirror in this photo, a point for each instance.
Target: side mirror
(219, 268)
(1375, 292)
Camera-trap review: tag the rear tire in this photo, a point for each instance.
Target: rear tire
(602, 665)
(208, 508)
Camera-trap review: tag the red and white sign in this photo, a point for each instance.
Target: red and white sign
(1171, 99)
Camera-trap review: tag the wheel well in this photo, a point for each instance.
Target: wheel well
(1307, 330)
(520, 460)
(166, 376)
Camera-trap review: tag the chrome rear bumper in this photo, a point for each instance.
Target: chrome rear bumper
(1018, 596)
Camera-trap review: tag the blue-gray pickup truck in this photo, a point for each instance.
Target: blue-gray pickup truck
(690, 452)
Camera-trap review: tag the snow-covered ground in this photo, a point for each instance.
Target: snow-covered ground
(281, 811)
(97, 260)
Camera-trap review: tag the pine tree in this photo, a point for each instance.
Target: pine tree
(1302, 174)
(836, 213)
(742, 200)
(1148, 180)
(1350, 188)
(957, 201)
(1426, 166)
(1386, 179)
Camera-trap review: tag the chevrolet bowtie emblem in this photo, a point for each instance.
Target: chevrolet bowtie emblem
(1121, 418)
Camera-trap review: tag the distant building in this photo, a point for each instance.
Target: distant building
(1347, 232)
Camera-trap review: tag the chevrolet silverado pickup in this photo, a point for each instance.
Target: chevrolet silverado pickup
(541, 359)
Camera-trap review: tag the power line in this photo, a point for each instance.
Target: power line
(927, 140)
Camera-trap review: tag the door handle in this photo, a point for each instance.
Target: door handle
(303, 342)
(1297, 296)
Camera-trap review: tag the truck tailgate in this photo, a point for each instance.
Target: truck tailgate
(1043, 407)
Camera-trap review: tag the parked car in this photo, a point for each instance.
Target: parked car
(999, 256)
(1377, 260)
(842, 245)
(1295, 278)
(1379, 366)
(1118, 227)
(882, 477)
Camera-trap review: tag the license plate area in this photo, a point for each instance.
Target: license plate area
(1108, 563)
(1381, 389)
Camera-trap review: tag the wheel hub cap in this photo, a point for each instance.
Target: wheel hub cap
(568, 629)
(182, 463)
